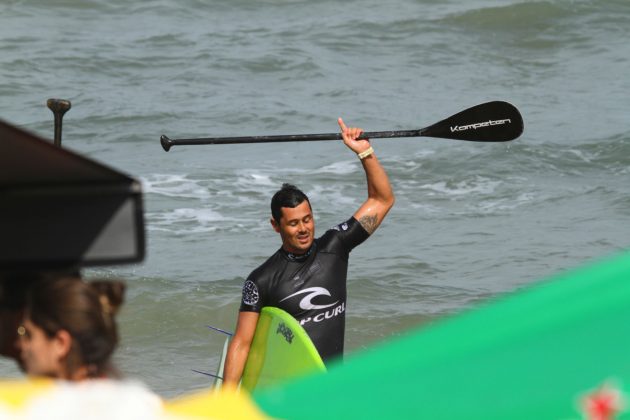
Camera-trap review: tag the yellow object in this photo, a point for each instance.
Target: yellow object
(14, 393)
(39, 397)
(226, 403)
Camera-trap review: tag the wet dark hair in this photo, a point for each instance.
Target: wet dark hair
(87, 311)
(287, 196)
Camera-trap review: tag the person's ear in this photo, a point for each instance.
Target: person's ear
(62, 344)
(275, 225)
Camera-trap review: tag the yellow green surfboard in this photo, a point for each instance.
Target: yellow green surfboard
(281, 350)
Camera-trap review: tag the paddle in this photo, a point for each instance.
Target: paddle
(207, 374)
(220, 330)
(58, 107)
(488, 122)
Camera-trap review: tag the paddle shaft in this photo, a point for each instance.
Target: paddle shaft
(284, 138)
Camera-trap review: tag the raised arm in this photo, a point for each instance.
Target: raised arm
(238, 349)
(380, 195)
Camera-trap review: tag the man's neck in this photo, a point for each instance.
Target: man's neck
(293, 256)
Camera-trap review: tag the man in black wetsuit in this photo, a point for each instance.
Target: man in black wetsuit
(307, 277)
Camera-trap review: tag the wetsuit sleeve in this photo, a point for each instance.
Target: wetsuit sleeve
(351, 233)
(251, 300)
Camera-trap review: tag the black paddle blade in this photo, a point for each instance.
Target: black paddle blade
(489, 122)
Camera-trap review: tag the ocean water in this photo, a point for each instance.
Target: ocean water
(472, 220)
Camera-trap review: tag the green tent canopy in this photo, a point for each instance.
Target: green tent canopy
(559, 349)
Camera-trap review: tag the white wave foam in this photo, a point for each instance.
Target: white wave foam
(203, 220)
(426, 208)
(338, 168)
(173, 186)
(581, 155)
(332, 195)
(254, 179)
(185, 220)
(413, 160)
(491, 206)
(478, 185)
(202, 216)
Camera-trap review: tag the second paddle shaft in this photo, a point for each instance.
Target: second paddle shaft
(59, 107)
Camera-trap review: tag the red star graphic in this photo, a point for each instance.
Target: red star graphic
(603, 403)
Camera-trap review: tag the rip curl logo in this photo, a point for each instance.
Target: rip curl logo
(339, 228)
(480, 125)
(322, 316)
(250, 293)
(306, 302)
(285, 332)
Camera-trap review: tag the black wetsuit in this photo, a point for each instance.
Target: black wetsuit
(311, 287)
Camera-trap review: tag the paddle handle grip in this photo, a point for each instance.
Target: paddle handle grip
(58, 107)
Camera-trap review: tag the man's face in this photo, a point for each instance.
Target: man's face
(296, 228)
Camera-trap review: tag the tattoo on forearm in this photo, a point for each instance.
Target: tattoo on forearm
(369, 222)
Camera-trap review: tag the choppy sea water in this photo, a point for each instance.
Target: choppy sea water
(471, 221)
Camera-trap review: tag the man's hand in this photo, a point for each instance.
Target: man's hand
(350, 136)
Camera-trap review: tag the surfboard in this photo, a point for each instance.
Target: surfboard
(280, 350)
